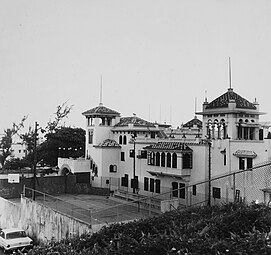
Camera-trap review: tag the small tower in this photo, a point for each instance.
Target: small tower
(99, 122)
(231, 116)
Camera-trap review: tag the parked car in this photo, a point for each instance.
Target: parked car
(14, 239)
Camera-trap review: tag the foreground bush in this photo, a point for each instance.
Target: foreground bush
(227, 229)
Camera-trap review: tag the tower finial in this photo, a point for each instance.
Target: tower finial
(195, 105)
(230, 72)
(205, 96)
(101, 90)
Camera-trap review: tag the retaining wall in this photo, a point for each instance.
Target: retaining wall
(40, 221)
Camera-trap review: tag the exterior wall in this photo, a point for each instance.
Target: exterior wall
(39, 221)
(79, 165)
(18, 150)
(9, 214)
(110, 157)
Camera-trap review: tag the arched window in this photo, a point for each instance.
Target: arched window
(163, 159)
(124, 139)
(120, 139)
(151, 158)
(168, 159)
(174, 160)
(157, 163)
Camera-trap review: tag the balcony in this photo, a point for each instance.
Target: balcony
(171, 172)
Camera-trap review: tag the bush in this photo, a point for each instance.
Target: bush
(227, 229)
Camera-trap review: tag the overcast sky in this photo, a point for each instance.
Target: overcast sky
(157, 57)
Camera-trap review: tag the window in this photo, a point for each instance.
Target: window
(124, 180)
(124, 139)
(216, 193)
(157, 159)
(122, 156)
(132, 153)
(143, 154)
(182, 190)
(241, 164)
(163, 159)
(157, 186)
(168, 159)
(120, 139)
(174, 160)
(175, 189)
(146, 184)
(261, 134)
(249, 163)
(90, 136)
(151, 158)
(152, 134)
(134, 183)
(187, 161)
(225, 159)
(112, 169)
(194, 190)
(151, 185)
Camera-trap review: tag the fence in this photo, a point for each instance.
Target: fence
(241, 185)
(59, 204)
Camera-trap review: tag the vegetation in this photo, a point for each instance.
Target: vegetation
(65, 142)
(60, 141)
(228, 229)
(6, 140)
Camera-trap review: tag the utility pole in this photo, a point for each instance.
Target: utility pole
(35, 160)
(209, 167)
(134, 169)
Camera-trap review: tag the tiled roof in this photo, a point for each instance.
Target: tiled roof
(101, 110)
(136, 121)
(193, 122)
(179, 146)
(245, 154)
(223, 101)
(109, 143)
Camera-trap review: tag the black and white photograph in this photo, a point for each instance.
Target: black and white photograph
(135, 127)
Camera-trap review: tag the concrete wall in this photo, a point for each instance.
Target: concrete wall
(39, 221)
(51, 185)
(47, 224)
(9, 214)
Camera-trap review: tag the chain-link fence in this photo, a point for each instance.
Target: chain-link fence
(240, 185)
(58, 204)
(126, 204)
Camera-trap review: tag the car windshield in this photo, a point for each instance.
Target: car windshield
(17, 234)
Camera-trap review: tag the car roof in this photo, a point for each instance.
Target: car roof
(9, 230)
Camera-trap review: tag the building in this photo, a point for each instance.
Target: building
(134, 156)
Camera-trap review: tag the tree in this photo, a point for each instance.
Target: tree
(6, 140)
(29, 137)
(61, 113)
(64, 142)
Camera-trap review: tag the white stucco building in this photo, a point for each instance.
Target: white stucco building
(229, 138)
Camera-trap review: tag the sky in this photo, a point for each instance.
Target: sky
(158, 59)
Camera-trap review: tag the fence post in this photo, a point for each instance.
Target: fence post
(149, 206)
(234, 187)
(117, 213)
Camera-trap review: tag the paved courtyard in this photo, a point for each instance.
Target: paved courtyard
(94, 209)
